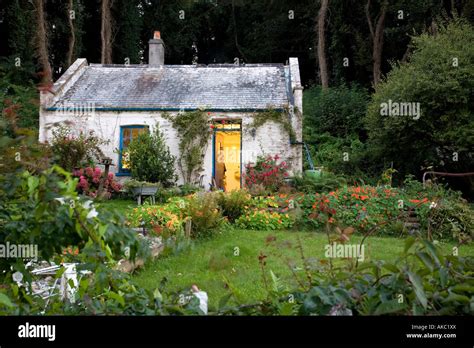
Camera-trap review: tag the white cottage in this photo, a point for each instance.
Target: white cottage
(119, 101)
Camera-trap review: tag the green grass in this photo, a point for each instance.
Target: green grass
(212, 265)
(121, 205)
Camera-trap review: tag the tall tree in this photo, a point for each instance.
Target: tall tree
(71, 15)
(128, 46)
(42, 42)
(106, 32)
(236, 41)
(376, 36)
(323, 68)
(19, 15)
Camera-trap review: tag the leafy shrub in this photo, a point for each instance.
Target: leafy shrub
(104, 292)
(164, 194)
(258, 190)
(367, 207)
(158, 219)
(233, 204)
(445, 125)
(34, 157)
(338, 111)
(89, 182)
(333, 124)
(451, 220)
(431, 284)
(44, 209)
(72, 152)
(52, 215)
(203, 211)
(262, 220)
(19, 98)
(266, 172)
(329, 153)
(151, 160)
(188, 189)
(324, 183)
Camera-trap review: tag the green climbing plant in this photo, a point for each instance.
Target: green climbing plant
(280, 117)
(193, 131)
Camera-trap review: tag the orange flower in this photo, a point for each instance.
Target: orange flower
(330, 220)
(364, 197)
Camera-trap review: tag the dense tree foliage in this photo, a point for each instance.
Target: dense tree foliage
(440, 77)
(220, 31)
(364, 41)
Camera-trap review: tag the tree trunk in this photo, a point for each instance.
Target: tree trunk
(377, 40)
(42, 42)
(378, 45)
(323, 68)
(235, 34)
(72, 37)
(106, 32)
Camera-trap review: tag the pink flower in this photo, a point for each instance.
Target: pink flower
(89, 171)
(83, 184)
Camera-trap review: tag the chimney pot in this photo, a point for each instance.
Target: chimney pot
(156, 51)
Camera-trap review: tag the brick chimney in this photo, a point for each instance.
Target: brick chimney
(156, 51)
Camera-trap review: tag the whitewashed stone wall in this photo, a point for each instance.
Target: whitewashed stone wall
(268, 139)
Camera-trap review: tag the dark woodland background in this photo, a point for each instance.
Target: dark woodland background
(372, 36)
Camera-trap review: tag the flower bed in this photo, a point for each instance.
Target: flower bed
(364, 208)
(264, 220)
(158, 219)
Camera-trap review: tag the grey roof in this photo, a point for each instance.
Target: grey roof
(174, 87)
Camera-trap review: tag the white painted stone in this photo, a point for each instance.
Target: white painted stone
(269, 139)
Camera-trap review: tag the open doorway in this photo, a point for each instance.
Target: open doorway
(227, 159)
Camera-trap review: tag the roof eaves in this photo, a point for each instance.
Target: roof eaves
(172, 109)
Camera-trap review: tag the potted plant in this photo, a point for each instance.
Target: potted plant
(140, 189)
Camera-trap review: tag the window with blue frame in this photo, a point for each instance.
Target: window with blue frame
(127, 134)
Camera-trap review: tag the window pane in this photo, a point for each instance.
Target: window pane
(128, 134)
(126, 137)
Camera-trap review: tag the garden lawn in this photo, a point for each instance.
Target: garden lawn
(216, 264)
(122, 206)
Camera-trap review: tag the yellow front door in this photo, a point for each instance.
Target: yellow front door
(227, 160)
